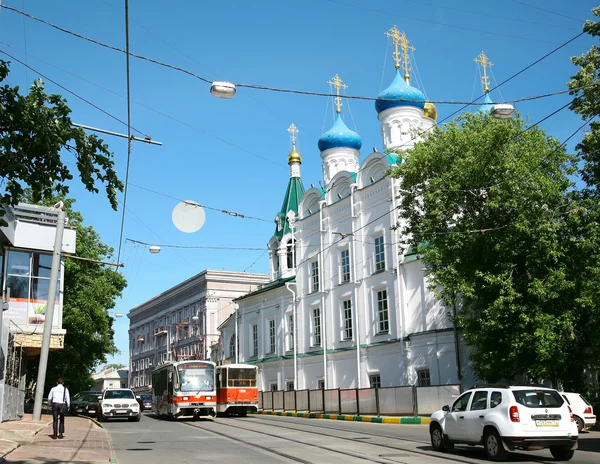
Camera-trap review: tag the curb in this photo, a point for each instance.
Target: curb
(113, 459)
(354, 418)
(11, 446)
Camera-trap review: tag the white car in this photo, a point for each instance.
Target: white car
(119, 402)
(504, 418)
(582, 410)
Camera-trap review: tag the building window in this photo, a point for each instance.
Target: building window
(321, 384)
(290, 385)
(314, 274)
(382, 312)
(317, 326)
(254, 340)
(232, 346)
(345, 259)
(272, 336)
(424, 380)
(291, 254)
(290, 331)
(274, 387)
(375, 381)
(379, 254)
(28, 277)
(347, 317)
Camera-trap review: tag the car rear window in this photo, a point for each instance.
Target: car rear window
(538, 398)
(584, 400)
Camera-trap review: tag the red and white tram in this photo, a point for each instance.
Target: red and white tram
(184, 388)
(237, 391)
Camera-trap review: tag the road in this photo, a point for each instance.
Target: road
(275, 439)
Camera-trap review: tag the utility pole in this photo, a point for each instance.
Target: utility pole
(41, 378)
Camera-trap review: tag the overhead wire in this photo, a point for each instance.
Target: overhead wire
(429, 21)
(71, 92)
(163, 245)
(263, 87)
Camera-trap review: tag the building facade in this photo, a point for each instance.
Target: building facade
(26, 250)
(347, 306)
(181, 323)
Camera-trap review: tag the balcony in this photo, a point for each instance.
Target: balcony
(160, 331)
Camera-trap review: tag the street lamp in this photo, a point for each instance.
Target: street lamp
(223, 89)
(502, 111)
(154, 249)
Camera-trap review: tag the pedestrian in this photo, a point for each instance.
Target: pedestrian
(60, 401)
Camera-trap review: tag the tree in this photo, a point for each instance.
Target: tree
(91, 290)
(586, 90)
(490, 207)
(34, 129)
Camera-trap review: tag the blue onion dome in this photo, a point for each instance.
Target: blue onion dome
(339, 136)
(399, 93)
(487, 104)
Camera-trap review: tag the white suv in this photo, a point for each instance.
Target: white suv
(119, 402)
(504, 418)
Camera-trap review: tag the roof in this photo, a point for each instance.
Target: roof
(291, 200)
(270, 286)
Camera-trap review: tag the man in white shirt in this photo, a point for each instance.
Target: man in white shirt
(58, 397)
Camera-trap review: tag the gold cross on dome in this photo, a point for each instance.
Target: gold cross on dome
(293, 131)
(394, 34)
(404, 44)
(338, 84)
(485, 63)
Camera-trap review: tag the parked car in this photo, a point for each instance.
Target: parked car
(85, 403)
(119, 402)
(504, 418)
(146, 401)
(582, 410)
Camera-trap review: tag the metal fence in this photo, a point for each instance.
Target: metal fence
(388, 401)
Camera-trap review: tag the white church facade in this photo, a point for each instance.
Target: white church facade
(346, 306)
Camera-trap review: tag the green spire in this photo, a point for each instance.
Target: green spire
(293, 196)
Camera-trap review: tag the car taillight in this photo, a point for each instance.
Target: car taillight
(588, 410)
(513, 412)
(571, 414)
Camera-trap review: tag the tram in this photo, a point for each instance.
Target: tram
(184, 388)
(237, 391)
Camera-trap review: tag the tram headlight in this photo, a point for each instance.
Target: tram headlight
(208, 398)
(185, 398)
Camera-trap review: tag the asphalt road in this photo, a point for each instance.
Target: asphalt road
(274, 439)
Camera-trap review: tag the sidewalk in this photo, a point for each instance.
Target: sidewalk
(29, 442)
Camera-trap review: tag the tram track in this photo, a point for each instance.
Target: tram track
(395, 448)
(279, 453)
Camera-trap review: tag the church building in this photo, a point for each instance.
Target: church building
(346, 306)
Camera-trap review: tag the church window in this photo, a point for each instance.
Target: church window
(291, 254)
(345, 262)
(314, 274)
(347, 319)
(317, 326)
(382, 312)
(379, 254)
(232, 347)
(272, 336)
(254, 340)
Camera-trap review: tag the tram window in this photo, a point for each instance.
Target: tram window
(242, 378)
(201, 379)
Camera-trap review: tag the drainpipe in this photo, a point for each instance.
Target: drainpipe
(353, 188)
(287, 285)
(322, 267)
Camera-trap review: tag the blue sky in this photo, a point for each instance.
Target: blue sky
(232, 154)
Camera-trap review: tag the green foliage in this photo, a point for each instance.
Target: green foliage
(586, 89)
(498, 222)
(90, 291)
(34, 129)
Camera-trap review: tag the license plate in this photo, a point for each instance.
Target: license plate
(546, 423)
(121, 411)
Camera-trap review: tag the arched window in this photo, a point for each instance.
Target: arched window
(291, 254)
(232, 346)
